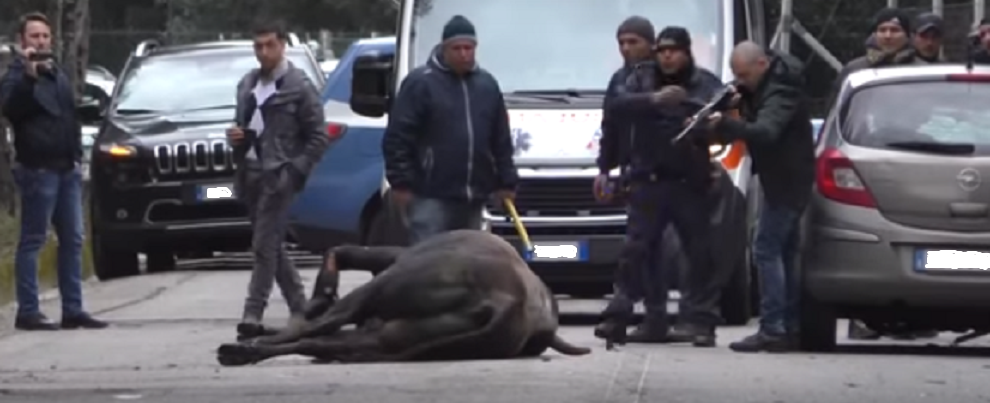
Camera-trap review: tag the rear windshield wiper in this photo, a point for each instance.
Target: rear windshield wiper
(933, 147)
(135, 111)
(208, 108)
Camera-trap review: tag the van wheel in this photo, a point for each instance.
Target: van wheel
(735, 304)
(111, 263)
(818, 325)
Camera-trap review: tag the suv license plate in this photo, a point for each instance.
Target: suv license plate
(215, 192)
(548, 251)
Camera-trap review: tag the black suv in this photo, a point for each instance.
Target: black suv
(161, 168)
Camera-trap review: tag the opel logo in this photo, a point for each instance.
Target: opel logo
(969, 179)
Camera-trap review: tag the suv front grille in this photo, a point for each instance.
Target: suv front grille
(557, 197)
(198, 158)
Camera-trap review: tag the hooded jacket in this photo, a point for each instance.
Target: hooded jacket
(448, 136)
(653, 127)
(776, 127)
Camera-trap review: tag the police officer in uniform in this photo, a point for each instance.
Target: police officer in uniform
(667, 185)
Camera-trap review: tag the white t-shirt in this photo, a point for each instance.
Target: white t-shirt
(262, 91)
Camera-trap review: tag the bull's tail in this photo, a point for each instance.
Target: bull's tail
(562, 346)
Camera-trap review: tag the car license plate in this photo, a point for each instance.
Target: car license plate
(215, 192)
(549, 251)
(949, 260)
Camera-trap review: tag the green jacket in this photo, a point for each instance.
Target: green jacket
(776, 126)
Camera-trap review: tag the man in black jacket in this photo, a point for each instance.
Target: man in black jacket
(37, 99)
(776, 126)
(927, 38)
(448, 146)
(636, 38)
(668, 184)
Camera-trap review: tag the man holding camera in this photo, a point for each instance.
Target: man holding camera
(38, 100)
(668, 184)
(278, 138)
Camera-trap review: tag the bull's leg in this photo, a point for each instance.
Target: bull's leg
(351, 345)
(373, 259)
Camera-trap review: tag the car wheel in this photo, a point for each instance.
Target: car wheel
(735, 305)
(159, 261)
(818, 325)
(110, 263)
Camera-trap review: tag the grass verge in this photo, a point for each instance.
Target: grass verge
(47, 260)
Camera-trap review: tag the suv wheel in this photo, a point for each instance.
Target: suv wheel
(159, 261)
(110, 263)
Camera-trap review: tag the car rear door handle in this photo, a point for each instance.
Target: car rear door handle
(969, 210)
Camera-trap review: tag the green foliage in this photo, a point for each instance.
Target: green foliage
(47, 260)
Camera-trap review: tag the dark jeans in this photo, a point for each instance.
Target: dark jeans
(775, 251)
(49, 197)
(428, 217)
(653, 206)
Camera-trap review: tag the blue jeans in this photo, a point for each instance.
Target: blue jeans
(429, 217)
(54, 197)
(775, 251)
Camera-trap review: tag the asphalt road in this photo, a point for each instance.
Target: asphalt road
(165, 328)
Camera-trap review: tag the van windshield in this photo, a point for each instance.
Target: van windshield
(558, 45)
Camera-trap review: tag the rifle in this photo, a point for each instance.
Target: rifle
(718, 103)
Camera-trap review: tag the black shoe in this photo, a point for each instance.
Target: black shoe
(761, 341)
(859, 331)
(655, 331)
(82, 321)
(34, 322)
(699, 336)
(613, 331)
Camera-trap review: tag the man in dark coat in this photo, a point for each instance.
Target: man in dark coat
(776, 126)
(448, 146)
(668, 184)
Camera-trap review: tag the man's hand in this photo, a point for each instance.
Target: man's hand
(669, 95)
(713, 120)
(401, 198)
(31, 68)
(601, 190)
(736, 98)
(235, 135)
(505, 194)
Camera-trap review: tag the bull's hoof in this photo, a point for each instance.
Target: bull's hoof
(236, 355)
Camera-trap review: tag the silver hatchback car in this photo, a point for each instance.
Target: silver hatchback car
(899, 222)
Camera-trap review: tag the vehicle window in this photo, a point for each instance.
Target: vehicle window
(193, 81)
(93, 94)
(563, 44)
(947, 113)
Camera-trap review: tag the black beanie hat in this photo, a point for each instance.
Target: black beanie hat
(639, 26)
(892, 15)
(674, 37)
(459, 27)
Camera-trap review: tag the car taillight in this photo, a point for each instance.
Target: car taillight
(838, 180)
(969, 77)
(336, 130)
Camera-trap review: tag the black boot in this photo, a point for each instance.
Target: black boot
(859, 331)
(615, 320)
(654, 330)
(698, 335)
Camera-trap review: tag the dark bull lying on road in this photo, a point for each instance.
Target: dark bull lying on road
(461, 295)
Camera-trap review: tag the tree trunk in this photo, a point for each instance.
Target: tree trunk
(75, 42)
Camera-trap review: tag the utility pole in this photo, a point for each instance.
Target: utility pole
(790, 26)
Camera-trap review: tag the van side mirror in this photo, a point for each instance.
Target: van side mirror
(370, 84)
